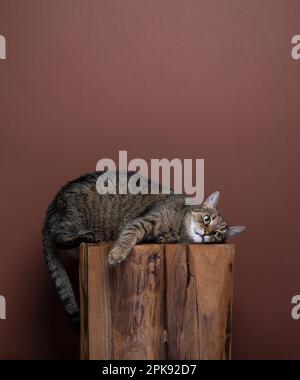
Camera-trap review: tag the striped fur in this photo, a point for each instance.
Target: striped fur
(79, 213)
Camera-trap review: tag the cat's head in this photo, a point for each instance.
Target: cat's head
(206, 225)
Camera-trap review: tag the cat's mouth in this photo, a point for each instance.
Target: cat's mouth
(201, 236)
(198, 234)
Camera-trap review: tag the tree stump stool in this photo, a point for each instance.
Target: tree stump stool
(166, 301)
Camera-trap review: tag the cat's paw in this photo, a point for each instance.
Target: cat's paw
(116, 256)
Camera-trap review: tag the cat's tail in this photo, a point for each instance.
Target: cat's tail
(60, 278)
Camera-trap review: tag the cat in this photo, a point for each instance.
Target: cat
(79, 214)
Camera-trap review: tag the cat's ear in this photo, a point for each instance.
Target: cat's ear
(235, 230)
(212, 200)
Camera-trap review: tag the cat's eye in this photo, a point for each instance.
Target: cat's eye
(206, 219)
(219, 235)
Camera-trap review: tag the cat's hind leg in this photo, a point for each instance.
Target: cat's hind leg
(68, 235)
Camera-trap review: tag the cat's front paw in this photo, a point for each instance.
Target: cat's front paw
(116, 256)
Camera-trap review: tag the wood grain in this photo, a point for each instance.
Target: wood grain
(199, 299)
(164, 302)
(83, 290)
(137, 305)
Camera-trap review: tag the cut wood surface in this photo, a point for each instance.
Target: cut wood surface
(168, 301)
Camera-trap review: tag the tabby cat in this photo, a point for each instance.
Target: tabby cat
(79, 213)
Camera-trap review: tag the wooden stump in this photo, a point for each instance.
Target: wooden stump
(168, 301)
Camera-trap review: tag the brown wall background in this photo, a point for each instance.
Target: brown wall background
(170, 78)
